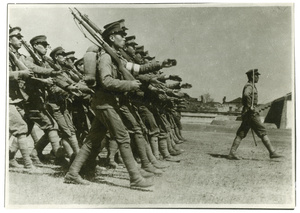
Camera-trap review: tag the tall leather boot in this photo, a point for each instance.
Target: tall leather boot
(145, 163)
(154, 146)
(12, 152)
(232, 154)
(136, 179)
(74, 143)
(72, 175)
(112, 150)
(153, 160)
(266, 141)
(23, 146)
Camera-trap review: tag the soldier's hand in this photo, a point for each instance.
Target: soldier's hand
(169, 63)
(49, 81)
(135, 84)
(175, 78)
(55, 73)
(72, 88)
(24, 74)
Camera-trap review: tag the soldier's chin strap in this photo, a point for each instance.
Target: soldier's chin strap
(252, 105)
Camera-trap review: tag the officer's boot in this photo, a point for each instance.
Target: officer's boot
(73, 174)
(12, 152)
(37, 151)
(23, 146)
(266, 141)
(232, 154)
(74, 143)
(112, 150)
(145, 163)
(154, 146)
(172, 151)
(136, 179)
(153, 160)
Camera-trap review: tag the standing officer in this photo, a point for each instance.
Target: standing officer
(109, 86)
(250, 118)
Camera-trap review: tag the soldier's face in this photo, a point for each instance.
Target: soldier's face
(15, 41)
(80, 67)
(42, 50)
(118, 40)
(256, 78)
(60, 59)
(130, 50)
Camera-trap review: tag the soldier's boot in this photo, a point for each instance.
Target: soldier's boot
(34, 136)
(67, 147)
(12, 161)
(54, 140)
(174, 137)
(136, 179)
(172, 151)
(23, 146)
(112, 150)
(153, 160)
(180, 133)
(154, 146)
(13, 149)
(39, 147)
(174, 145)
(34, 157)
(177, 133)
(145, 163)
(236, 143)
(74, 143)
(266, 141)
(163, 147)
(72, 175)
(118, 158)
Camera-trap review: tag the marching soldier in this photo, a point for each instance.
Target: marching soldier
(105, 105)
(18, 74)
(250, 118)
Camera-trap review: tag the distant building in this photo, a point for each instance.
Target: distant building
(231, 106)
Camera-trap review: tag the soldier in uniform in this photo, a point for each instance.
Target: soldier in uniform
(79, 65)
(18, 74)
(250, 118)
(105, 106)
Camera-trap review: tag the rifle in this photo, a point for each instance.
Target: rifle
(95, 32)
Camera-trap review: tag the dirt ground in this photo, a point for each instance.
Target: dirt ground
(204, 178)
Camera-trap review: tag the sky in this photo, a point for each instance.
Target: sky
(214, 45)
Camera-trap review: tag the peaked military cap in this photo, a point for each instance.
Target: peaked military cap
(139, 49)
(130, 40)
(15, 31)
(56, 51)
(121, 22)
(149, 57)
(70, 55)
(113, 29)
(38, 39)
(78, 62)
(250, 72)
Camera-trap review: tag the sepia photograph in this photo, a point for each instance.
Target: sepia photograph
(150, 106)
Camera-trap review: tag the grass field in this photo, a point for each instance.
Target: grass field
(203, 179)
